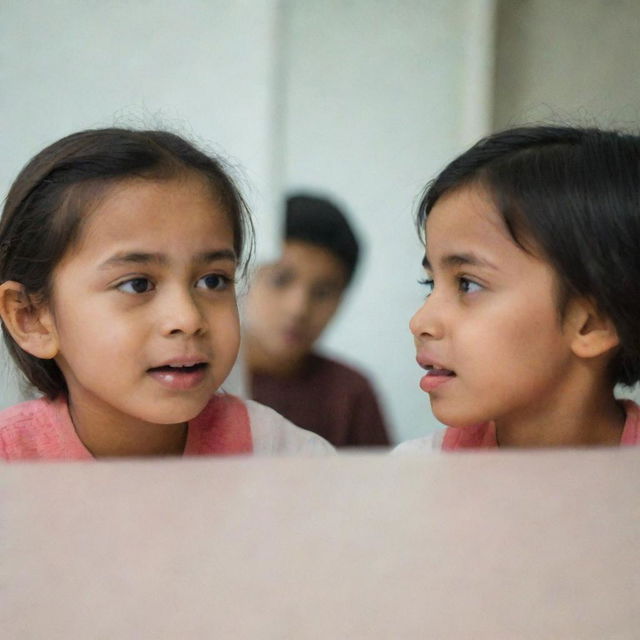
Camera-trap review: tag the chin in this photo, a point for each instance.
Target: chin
(457, 419)
(289, 354)
(176, 412)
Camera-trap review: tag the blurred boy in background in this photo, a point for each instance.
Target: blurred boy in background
(290, 303)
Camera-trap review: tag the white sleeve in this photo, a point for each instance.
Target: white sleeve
(428, 444)
(274, 435)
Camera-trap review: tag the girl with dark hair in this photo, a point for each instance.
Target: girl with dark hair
(118, 258)
(532, 314)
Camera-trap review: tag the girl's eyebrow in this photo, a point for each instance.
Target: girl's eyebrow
(215, 256)
(461, 260)
(141, 257)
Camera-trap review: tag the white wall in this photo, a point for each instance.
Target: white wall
(202, 68)
(379, 95)
(575, 60)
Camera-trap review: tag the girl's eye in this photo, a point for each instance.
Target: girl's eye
(428, 283)
(136, 285)
(468, 286)
(213, 282)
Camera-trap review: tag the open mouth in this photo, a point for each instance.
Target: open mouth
(179, 368)
(180, 377)
(436, 372)
(435, 378)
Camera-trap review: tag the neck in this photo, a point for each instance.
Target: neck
(571, 418)
(261, 361)
(126, 437)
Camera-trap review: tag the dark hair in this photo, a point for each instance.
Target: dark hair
(573, 195)
(319, 222)
(46, 207)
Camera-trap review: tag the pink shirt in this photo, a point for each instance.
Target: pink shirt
(43, 430)
(483, 436)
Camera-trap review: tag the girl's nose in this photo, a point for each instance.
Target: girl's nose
(425, 321)
(183, 316)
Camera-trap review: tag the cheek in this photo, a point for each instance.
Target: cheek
(93, 324)
(519, 342)
(537, 330)
(323, 313)
(83, 324)
(226, 329)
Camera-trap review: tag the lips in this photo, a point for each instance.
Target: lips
(180, 374)
(436, 376)
(432, 366)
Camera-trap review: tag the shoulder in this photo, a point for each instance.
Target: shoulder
(24, 414)
(23, 426)
(428, 444)
(274, 434)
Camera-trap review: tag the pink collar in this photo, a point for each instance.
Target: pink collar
(480, 436)
(222, 428)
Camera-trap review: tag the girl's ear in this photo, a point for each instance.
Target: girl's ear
(592, 332)
(30, 325)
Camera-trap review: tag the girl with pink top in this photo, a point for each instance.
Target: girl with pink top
(118, 258)
(532, 314)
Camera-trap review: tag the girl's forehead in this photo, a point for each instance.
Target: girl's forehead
(465, 221)
(135, 200)
(465, 211)
(155, 210)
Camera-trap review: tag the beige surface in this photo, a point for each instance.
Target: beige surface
(540, 545)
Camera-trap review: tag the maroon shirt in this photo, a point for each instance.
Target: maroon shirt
(327, 397)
